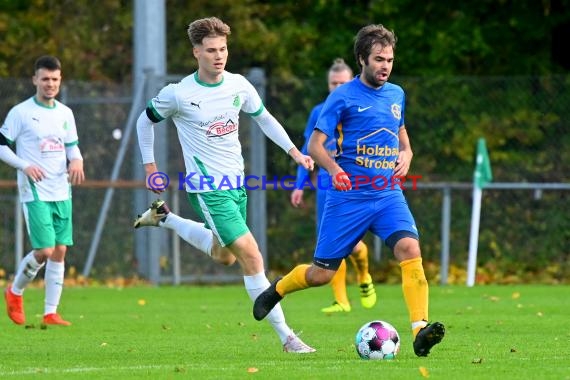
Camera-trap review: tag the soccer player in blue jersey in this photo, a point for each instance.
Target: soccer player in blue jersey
(339, 73)
(366, 116)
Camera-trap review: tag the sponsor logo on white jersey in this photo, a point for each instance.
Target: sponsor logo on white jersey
(220, 129)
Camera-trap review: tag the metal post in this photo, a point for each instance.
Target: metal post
(377, 249)
(149, 68)
(111, 190)
(175, 198)
(155, 240)
(445, 226)
(257, 210)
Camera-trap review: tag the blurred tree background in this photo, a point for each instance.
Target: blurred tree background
(488, 68)
(295, 39)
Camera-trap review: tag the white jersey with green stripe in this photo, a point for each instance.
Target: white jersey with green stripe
(206, 117)
(41, 135)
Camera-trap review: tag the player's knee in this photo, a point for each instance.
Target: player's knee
(41, 255)
(228, 260)
(318, 276)
(224, 257)
(407, 249)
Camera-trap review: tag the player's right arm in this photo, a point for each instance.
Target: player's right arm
(159, 108)
(33, 172)
(145, 134)
(319, 153)
(10, 129)
(317, 150)
(328, 120)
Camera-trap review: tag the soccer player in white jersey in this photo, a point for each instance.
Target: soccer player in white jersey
(205, 108)
(48, 161)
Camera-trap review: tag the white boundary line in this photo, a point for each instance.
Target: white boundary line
(39, 370)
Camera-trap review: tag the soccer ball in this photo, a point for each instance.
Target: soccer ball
(377, 340)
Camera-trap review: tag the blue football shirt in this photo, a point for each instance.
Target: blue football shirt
(365, 123)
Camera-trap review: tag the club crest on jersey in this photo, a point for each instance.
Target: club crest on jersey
(220, 129)
(396, 111)
(237, 101)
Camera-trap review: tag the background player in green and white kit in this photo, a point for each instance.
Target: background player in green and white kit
(44, 133)
(205, 108)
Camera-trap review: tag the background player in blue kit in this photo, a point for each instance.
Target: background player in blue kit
(366, 116)
(339, 73)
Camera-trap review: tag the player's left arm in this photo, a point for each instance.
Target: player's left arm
(76, 176)
(276, 133)
(405, 155)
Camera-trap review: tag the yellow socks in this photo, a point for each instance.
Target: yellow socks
(359, 258)
(416, 292)
(293, 281)
(338, 284)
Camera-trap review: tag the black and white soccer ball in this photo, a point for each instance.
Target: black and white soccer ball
(377, 340)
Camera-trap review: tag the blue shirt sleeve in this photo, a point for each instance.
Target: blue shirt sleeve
(302, 173)
(329, 116)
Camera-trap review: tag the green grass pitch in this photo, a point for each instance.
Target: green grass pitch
(208, 332)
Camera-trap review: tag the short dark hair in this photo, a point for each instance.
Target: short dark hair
(369, 36)
(48, 62)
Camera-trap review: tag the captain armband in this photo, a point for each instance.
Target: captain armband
(152, 116)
